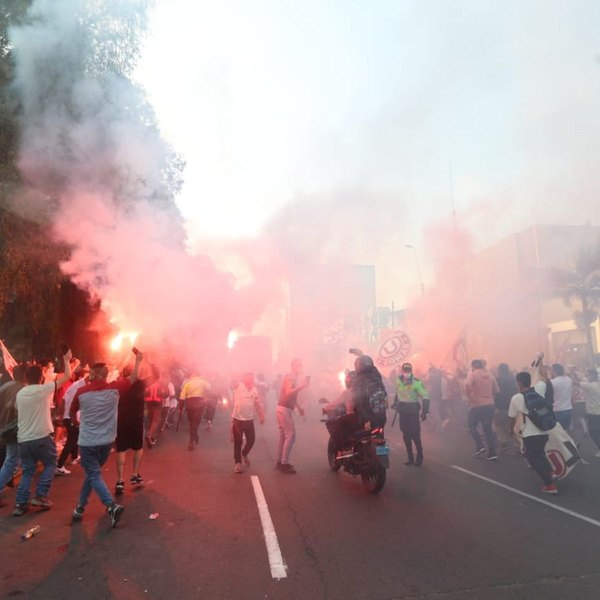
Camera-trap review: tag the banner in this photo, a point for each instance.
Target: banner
(394, 350)
(9, 362)
(561, 452)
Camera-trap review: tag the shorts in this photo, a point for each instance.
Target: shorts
(130, 436)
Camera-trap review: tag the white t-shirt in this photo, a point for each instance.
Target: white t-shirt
(244, 400)
(592, 397)
(70, 394)
(34, 403)
(563, 392)
(517, 407)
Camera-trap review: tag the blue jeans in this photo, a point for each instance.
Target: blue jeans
(485, 416)
(287, 434)
(11, 462)
(30, 453)
(564, 417)
(92, 461)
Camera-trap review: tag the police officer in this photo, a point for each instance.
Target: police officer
(410, 392)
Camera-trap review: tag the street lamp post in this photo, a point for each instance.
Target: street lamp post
(418, 269)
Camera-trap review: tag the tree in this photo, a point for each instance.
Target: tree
(583, 285)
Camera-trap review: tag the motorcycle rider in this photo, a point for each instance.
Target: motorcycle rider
(410, 391)
(341, 426)
(367, 378)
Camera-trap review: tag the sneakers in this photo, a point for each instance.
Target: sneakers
(287, 468)
(493, 457)
(78, 512)
(120, 487)
(62, 471)
(237, 468)
(76, 461)
(479, 451)
(114, 512)
(208, 425)
(549, 489)
(150, 442)
(136, 480)
(246, 460)
(20, 510)
(42, 502)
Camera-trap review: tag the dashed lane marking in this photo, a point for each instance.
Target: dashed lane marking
(571, 513)
(278, 567)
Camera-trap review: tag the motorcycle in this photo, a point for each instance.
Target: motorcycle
(367, 453)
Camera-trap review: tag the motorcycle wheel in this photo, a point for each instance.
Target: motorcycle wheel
(334, 465)
(375, 480)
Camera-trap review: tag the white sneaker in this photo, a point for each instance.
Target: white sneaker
(237, 468)
(76, 461)
(62, 471)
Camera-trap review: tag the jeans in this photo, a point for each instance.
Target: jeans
(564, 417)
(241, 428)
(154, 410)
(30, 453)
(11, 462)
(536, 456)
(287, 434)
(593, 426)
(195, 408)
(410, 425)
(92, 461)
(485, 416)
(70, 447)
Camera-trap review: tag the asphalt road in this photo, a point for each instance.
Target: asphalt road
(434, 532)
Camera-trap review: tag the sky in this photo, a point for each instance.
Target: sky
(270, 102)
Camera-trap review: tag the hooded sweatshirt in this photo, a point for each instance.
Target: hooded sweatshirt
(481, 386)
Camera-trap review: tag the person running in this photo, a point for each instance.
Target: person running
(534, 439)
(35, 435)
(246, 405)
(480, 388)
(98, 403)
(291, 386)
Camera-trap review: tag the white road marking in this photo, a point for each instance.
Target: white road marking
(571, 513)
(278, 568)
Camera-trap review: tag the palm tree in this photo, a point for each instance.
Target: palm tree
(581, 284)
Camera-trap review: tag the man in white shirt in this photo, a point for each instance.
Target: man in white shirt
(34, 435)
(563, 392)
(534, 439)
(246, 405)
(591, 390)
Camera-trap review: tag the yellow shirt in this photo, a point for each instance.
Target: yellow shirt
(196, 387)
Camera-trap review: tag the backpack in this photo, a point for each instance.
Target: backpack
(377, 397)
(540, 410)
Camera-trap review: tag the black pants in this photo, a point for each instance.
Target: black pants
(341, 427)
(241, 429)
(410, 426)
(536, 456)
(70, 447)
(195, 408)
(594, 429)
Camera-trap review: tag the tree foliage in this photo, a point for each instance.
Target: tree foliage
(582, 285)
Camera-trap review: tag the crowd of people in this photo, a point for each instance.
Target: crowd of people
(496, 406)
(85, 413)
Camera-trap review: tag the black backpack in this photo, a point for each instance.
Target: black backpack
(540, 410)
(377, 397)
